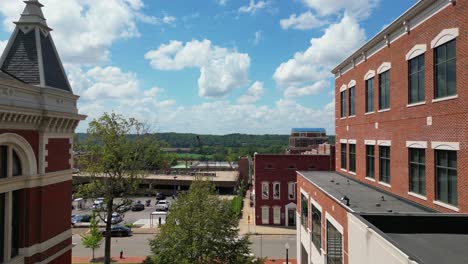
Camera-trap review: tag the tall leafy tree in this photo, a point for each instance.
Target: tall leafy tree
(201, 228)
(115, 163)
(93, 239)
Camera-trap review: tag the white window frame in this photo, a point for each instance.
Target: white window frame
(276, 197)
(8, 221)
(276, 215)
(267, 196)
(293, 184)
(265, 220)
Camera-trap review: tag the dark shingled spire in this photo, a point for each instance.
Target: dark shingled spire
(30, 55)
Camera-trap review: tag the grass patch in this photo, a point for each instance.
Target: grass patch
(236, 205)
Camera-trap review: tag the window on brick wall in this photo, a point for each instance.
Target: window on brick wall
(352, 99)
(291, 190)
(446, 176)
(416, 79)
(334, 245)
(417, 170)
(370, 95)
(352, 157)
(384, 152)
(370, 161)
(304, 211)
(276, 190)
(384, 90)
(343, 156)
(316, 227)
(343, 103)
(265, 191)
(445, 70)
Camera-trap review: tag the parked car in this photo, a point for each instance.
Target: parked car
(116, 218)
(118, 231)
(80, 219)
(162, 205)
(98, 203)
(124, 208)
(160, 196)
(138, 206)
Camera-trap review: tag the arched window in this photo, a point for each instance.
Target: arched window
(16, 168)
(10, 166)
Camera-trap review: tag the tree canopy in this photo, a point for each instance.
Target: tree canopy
(201, 228)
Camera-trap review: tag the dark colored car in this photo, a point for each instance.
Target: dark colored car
(138, 206)
(80, 219)
(118, 231)
(160, 196)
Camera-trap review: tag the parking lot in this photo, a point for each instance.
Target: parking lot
(129, 216)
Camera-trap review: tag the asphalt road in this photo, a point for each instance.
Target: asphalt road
(271, 246)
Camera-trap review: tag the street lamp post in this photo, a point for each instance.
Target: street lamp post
(173, 194)
(286, 246)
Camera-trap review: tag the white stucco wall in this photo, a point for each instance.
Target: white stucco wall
(365, 246)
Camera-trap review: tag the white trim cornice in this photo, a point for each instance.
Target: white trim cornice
(343, 88)
(22, 182)
(352, 83)
(369, 142)
(444, 36)
(44, 246)
(416, 51)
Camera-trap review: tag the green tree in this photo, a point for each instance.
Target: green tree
(201, 228)
(116, 163)
(93, 239)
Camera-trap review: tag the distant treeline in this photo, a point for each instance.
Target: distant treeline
(222, 147)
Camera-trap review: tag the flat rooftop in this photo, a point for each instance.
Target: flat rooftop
(428, 238)
(362, 198)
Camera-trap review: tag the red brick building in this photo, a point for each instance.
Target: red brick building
(38, 117)
(401, 148)
(306, 139)
(275, 185)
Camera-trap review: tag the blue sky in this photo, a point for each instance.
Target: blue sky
(211, 66)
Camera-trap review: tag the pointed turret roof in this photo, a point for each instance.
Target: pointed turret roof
(30, 54)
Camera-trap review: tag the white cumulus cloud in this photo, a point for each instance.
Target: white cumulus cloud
(221, 69)
(84, 30)
(356, 8)
(253, 94)
(313, 89)
(304, 21)
(315, 64)
(253, 7)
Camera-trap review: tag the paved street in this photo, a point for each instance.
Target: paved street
(271, 246)
(136, 245)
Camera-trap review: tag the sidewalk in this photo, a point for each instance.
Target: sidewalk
(82, 260)
(247, 226)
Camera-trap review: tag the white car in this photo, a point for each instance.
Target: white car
(98, 203)
(162, 205)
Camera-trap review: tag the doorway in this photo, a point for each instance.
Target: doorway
(291, 217)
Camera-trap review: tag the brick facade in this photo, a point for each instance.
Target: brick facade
(442, 121)
(282, 169)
